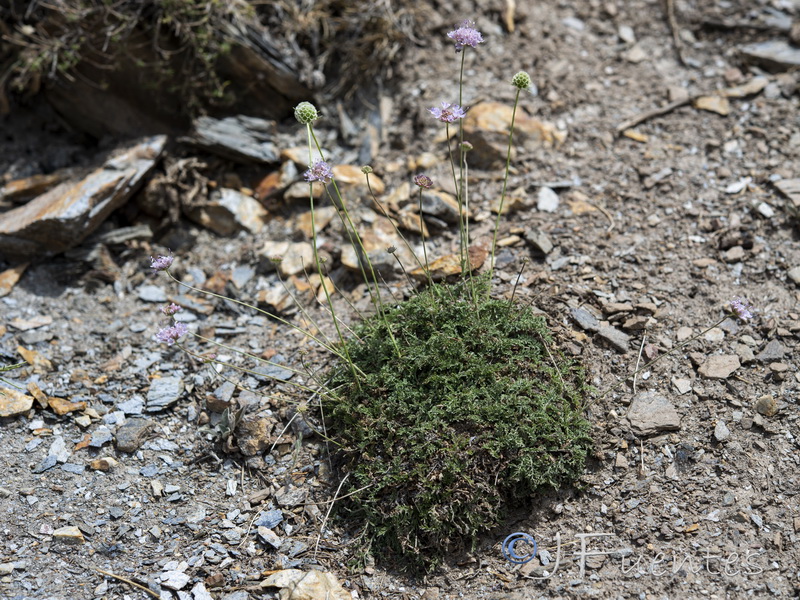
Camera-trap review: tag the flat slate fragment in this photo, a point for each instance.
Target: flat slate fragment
(651, 413)
(240, 138)
(131, 435)
(719, 366)
(163, 392)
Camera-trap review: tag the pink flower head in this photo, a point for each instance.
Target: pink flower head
(423, 181)
(319, 171)
(169, 335)
(466, 35)
(742, 308)
(161, 262)
(448, 113)
(170, 309)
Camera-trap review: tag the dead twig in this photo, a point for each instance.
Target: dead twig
(327, 514)
(673, 27)
(638, 362)
(129, 582)
(656, 112)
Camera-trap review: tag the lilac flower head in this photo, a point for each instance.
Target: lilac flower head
(169, 335)
(161, 262)
(170, 309)
(448, 113)
(423, 181)
(319, 171)
(466, 35)
(742, 308)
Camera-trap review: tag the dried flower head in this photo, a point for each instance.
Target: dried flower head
(161, 262)
(169, 335)
(319, 171)
(466, 35)
(366, 169)
(423, 181)
(522, 81)
(467, 146)
(742, 308)
(306, 113)
(448, 113)
(170, 309)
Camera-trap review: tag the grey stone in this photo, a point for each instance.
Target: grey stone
(617, 339)
(585, 319)
(241, 275)
(240, 138)
(151, 293)
(772, 352)
(539, 240)
(59, 450)
(48, 463)
(267, 536)
(65, 215)
(174, 580)
(269, 518)
(134, 406)
(266, 372)
(199, 592)
(719, 366)
(794, 274)
(100, 436)
(721, 431)
(547, 200)
(131, 435)
(73, 468)
(228, 211)
(163, 392)
(651, 413)
(148, 471)
(291, 497)
(440, 204)
(773, 55)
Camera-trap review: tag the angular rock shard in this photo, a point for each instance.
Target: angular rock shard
(62, 217)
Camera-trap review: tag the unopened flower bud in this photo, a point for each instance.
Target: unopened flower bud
(521, 80)
(306, 113)
(366, 169)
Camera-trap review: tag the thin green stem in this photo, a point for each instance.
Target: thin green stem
(339, 333)
(422, 233)
(505, 179)
(357, 246)
(394, 226)
(266, 313)
(461, 247)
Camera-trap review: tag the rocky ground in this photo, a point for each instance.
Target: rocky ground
(643, 199)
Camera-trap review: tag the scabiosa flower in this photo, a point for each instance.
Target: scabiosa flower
(466, 35)
(423, 181)
(742, 308)
(161, 262)
(319, 171)
(170, 309)
(169, 335)
(522, 81)
(306, 113)
(448, 113)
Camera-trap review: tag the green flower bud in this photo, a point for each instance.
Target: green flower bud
(521, 80)
(306, 113)
(366, 169)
